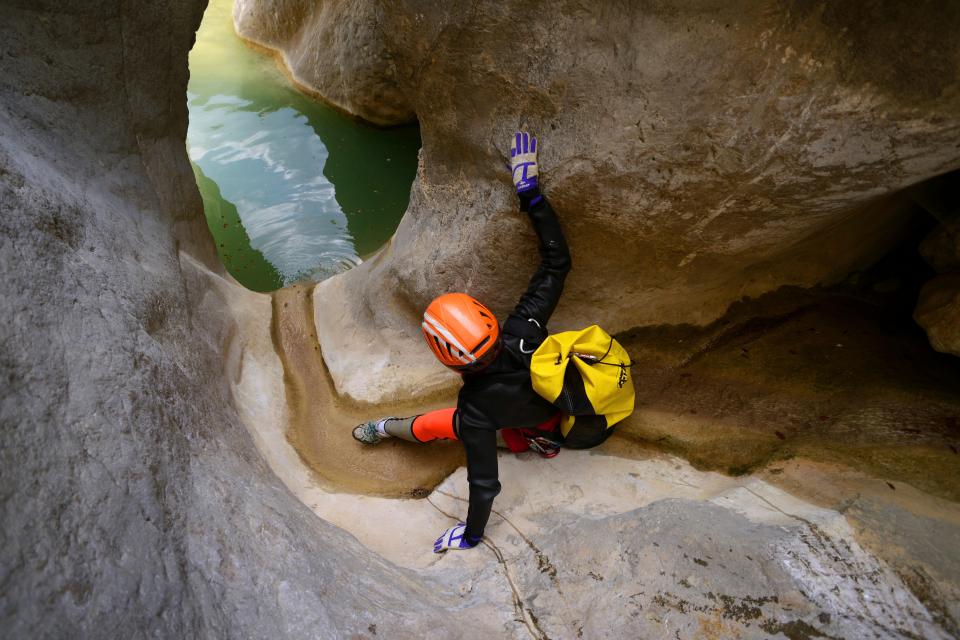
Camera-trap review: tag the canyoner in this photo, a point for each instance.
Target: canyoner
(522, 388)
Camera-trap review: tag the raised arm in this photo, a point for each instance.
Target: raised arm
(546, 285)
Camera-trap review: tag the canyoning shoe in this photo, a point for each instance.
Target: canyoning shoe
(367, 433)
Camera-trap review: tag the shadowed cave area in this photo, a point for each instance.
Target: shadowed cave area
(832, 373)
(760, 206)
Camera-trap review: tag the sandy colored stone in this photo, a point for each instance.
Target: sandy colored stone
(320, 422)
(570, 537)
(707, 552)
(148, 491)
(938, 311)
(333, 49)
(834, 376)
(695, 155)
(387, 361)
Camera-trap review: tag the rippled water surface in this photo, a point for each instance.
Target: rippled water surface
(292, 189)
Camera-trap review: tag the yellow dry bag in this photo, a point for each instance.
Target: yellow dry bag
(585, 374)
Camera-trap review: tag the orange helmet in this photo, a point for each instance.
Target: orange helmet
(461, 332)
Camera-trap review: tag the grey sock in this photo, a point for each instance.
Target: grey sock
(400, 428)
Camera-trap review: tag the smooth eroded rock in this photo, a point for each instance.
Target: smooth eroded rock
(695, 155)
(334, 49)
(938, 311)
(134, 502)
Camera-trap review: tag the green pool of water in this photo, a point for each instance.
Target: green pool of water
(292, 189)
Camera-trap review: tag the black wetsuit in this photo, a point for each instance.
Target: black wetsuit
(501, 395)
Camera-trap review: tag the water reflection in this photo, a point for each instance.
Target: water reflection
(233, 244)
(315, 190)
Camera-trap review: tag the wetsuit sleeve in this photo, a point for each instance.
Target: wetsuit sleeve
(481, 448)
(546, 285)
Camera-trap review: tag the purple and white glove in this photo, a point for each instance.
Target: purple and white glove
(523, 161)
(454, 538)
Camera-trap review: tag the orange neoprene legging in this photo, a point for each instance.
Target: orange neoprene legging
(435, 425)
(442, 425)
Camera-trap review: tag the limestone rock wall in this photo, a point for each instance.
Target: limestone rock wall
(696, 154)
(133, 502)
(334, 49)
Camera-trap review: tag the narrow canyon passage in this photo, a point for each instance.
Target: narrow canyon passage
(761, 204)
(815, 402)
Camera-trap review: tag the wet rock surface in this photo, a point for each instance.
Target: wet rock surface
(839, 374)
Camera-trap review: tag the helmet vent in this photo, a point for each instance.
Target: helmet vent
(482, 342)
